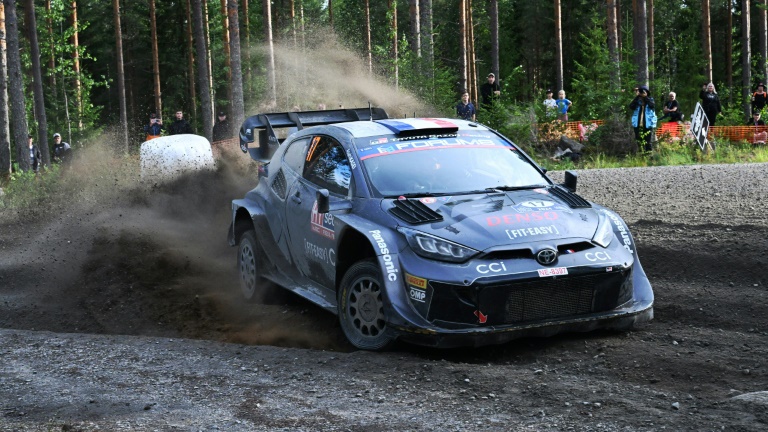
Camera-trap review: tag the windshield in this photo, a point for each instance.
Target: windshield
(445, 165)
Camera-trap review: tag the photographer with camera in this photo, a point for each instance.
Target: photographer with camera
(644, 118)
(154, 128)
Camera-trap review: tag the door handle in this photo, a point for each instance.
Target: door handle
(296, 197)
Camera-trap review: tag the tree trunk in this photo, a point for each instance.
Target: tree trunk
(227, 51)
(650, 40)
(248, 78)
(76, 66)
(191, 64)
(763, 40)
(427, 40)
(746, 58)
(413, 10)
(209, 58)
(558, 47)
(463, 46)
(271, 85)
(641, 59)
(368, 36)
(395, 54)
(52, 60)
(729, 49)
(155, 59)
(493, 15)
(5, 130)
(613, 45)
(120, 77)
(292, 7)
(203, 79)
(37, 82)
(16, 86)
(471, 52)
(330, 12)
(238, 106)
(706, 39)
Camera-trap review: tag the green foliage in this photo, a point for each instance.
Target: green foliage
(28, 190)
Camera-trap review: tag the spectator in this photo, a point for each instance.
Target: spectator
(222, 129)
(35, 158)
(465, 110)
(61, 150)
(490, 91)
(154, 128)
(759, 98)
(672, 109)
(550, 105)
(180, 126)
(755, 120)
(644, 118)
(710, 102)
(563, 105)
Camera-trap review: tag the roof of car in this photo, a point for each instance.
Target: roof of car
(363, 129)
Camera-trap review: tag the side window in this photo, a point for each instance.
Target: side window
(327, 166)
(294, 155)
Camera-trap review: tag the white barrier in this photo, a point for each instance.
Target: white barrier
(166, 158)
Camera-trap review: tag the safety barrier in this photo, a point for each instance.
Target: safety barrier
(751, 134)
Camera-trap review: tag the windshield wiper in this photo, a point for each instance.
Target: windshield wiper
(417, 195)
(514, 188)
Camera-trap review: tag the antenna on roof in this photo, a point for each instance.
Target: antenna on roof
(370, 111)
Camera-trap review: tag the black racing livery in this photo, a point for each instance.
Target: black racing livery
(433, 231)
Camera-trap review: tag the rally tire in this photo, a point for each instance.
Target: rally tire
(248, 257)
(361, 307)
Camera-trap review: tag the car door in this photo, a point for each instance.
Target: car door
(313, 236)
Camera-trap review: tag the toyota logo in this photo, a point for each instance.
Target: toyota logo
(546, 256)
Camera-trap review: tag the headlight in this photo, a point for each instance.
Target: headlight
(436, 248)
(604, 234)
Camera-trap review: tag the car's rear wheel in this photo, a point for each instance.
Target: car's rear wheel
(247, 262)
(361, 307)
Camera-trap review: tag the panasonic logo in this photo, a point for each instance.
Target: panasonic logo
(389, 266)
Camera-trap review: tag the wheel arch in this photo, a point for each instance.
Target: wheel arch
(353, 247)
(241, 223)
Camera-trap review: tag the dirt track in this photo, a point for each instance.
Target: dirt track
(101, 305)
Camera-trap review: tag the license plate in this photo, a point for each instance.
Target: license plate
(558, 271)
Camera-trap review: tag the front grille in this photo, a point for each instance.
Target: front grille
(552, 299)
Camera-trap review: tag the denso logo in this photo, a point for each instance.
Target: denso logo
(509, 219)
(597, 256)
(496, 267)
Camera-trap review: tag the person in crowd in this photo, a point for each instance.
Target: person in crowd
(563, 105)
(61, 149)
(35, 158)
(222, 129)
(672, 109)
(154, 128)
(710, 102)
(490, 91)
(644, 118)
(761, 135)
(180, 125)
(755, 120)
(759, 98)
(465, 110)
(550, 105)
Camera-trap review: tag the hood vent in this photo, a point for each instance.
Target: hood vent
(570, 198)
(414, 212)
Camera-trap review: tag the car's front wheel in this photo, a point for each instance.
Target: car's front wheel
(247, 262)
(361, 307)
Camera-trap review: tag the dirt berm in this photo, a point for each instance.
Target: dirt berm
(122, 314)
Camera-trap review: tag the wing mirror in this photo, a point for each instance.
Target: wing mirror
(323, 202)
(571, 178)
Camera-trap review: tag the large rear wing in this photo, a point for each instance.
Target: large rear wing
(266, 124)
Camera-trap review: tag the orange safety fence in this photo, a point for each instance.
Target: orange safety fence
(752, 134)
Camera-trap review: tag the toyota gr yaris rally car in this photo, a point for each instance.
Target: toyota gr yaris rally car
(434, 231)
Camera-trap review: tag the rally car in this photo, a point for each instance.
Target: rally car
(433, 231)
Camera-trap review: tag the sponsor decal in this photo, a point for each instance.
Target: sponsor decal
(417, 295)
(532, 231)
(389, 266)
(416, 282)
(569, 251)
(622, 230)
(609, 269)
(351, 159)
(379, 141)
(322, 223)
(583, 217)
(557, 271)
(496, 267)
(481, 318)
(597, 256)
(428, 200)
(541, 191)
(318, 253)
(395, 145)
(509, 219)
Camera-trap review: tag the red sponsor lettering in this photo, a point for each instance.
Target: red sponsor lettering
(509, 219)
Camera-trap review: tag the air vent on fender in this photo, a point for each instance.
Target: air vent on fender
(278, 184)
(570, 198)
(414, 212)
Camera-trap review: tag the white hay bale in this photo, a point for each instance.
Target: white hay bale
(166, 158)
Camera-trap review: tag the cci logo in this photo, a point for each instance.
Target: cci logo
(491, 268)
(597, 256)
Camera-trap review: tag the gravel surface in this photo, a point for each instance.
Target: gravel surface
(122, 316)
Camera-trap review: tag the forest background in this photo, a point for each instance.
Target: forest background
(84, 67)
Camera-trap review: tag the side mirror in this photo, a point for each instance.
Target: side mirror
(323, 203)
(571, 178)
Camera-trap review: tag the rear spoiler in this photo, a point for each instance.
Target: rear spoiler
(267, 123)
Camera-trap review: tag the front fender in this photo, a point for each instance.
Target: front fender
(244, 212)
